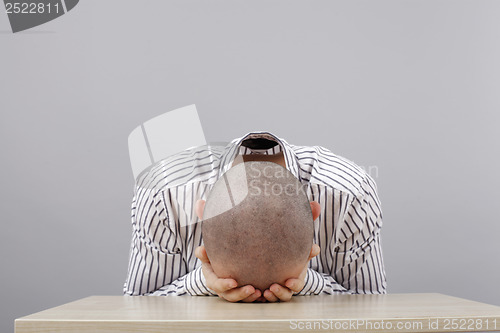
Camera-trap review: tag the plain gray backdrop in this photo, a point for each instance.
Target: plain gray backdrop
(409, 87)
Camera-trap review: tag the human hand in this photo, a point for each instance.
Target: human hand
(225, 288)
(281, 293)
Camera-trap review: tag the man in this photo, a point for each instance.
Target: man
(258, 228)
(167, 231)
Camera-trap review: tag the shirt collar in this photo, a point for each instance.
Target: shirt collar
(232, 150)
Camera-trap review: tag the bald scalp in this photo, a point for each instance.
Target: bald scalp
(258, 225)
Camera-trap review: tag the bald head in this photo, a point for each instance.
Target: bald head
(258, 225)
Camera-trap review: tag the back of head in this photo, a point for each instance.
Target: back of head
(257, 225)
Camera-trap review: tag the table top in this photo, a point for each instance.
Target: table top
(343, 313)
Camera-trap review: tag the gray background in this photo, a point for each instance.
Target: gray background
(411, 87)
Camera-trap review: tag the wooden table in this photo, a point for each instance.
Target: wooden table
(342, 313)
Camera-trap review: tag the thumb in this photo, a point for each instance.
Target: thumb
(201, 254)
(314, 251)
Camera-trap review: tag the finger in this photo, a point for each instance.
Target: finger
(201, 254)
(253, 297)
(222, 285)
(294, 285)
(237, 294)
(268, 294)
(215, 283)
(208, 272)
(283, 293)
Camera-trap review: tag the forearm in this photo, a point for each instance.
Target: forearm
(361, 270)
(318, 283)
(193, 284)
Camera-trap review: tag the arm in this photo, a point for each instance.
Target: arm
(356, 263)
(156, 264)
(359, 271)
(353, 256)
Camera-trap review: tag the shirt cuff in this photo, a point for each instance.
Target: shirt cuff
(314, 283)
(196, 284)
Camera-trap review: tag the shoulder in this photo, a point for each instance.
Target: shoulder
(321, 166)
(197, 164)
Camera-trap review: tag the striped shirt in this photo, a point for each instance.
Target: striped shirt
(166, 230)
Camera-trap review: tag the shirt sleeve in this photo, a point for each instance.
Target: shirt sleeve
(193, 284)
(357, 264)
(156, 265)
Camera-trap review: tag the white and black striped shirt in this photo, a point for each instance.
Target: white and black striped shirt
(166, 230)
